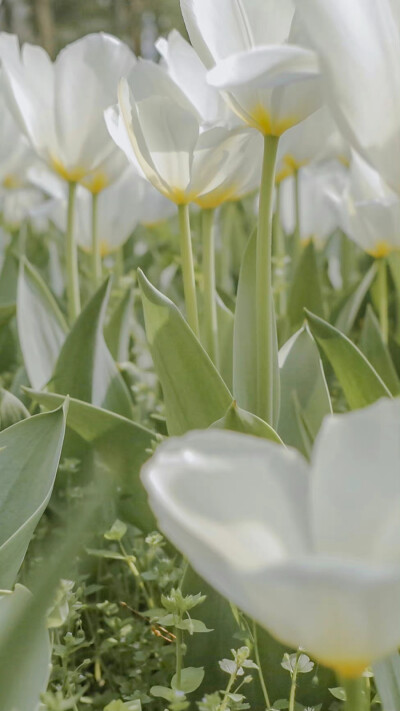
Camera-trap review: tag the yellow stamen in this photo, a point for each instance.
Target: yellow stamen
(12, 182)
(71, 176)
(347, 670)
(96, 182)
(216, 198)
(381, 249)
(260, 118)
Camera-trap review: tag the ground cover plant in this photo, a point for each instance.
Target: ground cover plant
(200, 364)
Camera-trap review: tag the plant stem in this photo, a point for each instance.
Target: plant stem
(224, 703)
(296, 248)
(73, 295)
(383, 298)
(178, 635)
(210, 304)
(356, 697)
(292, 697)
(280, 256)
(258, 662)
(267, 386)
(96, 255)
(189, 284)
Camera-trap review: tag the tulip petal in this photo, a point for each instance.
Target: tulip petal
(356, 483)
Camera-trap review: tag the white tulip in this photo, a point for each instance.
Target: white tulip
(369, 210)
(358, 42)
(60, 105)
(251, 47)
(312, 552)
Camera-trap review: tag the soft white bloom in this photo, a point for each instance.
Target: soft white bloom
(312, 552)
(255, 53)
(369, 211)
(60, 105)
(160, 130)
(188, 71)
(17, 205)
(313, 140)
(358, 42)
(318, 215)
(16, 156)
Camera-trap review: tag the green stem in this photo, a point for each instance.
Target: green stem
(280, 256)
(356, 694)
(265, 310)
(96, 254)
(73, 295)
(179, 657)
(297, 233)
(258, 662)
(189, 284)
(383, 298)
(292, 697)
(210, 304)
(228, 689)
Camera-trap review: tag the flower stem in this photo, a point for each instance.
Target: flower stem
(296, 248)
(178, 635)
(356, 696)
(210, 304)
(96, 255)
(73, 295)
(258, 662)
(383, 298)
(189, 284)
(292, 697)
(267, 350)
(280, 256)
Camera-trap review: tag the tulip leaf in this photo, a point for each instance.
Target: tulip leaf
(29, 652)
(12, 410)
(306, 291)
(119, 447)
(195, 395)
(361, 384)
(305, 399)
(8, 280)
(226, 321)
(245, 336)
(349, 311)
(85, 369)
(375, 349)
(387, 679)
(29, 455)
(42, 328)
(118, 329)
(238, 420)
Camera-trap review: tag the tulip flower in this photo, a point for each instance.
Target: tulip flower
(60, 108)
(255, 52)
(311, 552)
(157, 123)
(359, 50)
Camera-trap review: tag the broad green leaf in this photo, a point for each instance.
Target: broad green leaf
(29, 456)
(42, 328)
(349, 311)
(12, 410)
(305, 291)
(361, 384)
(375, 349)
(26, 666)
(238, 420)
(226, 321)
(305, 397)
(8, 280)
(119, 448)
(85, 369)
(245, 336)
(191, 678)
(387, 679)
(195, 395)
(118, 329)
(7, 311)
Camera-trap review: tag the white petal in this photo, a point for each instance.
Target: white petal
(356, 483)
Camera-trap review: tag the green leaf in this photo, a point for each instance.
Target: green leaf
(26, 666)
(12, 410)
(8, 280)
(116, 532)
(305, 291)
(119, 448)
(191, 678)
(375, 349)
(7, 311)
(42, 328)
(338, 692)
(349, 312)
(118, 329)
(387, 679)
(238, 420)
(361, 384)
(195, 395)
(29, 457)
(124, 706)
(304, 392)
(226, 321)
(245, 335)
(85, 369)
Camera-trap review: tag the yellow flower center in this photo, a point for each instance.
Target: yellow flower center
(96, 182)
(381, 249)
(12, 182)
(346, 670)
(260, 118)
(71, 176)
